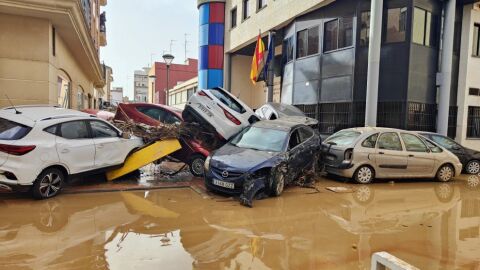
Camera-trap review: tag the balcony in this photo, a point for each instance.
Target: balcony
(103, 29)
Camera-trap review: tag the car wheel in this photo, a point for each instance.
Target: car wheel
(277, 184)
(48, 184)
(196, 165)
(445, 173)
(364, 175)
(473, 167)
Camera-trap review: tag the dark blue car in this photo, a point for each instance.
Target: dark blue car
(276, 152)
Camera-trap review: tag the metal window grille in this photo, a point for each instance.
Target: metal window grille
(452, 122)
(421, 116)
(391, 114)
(473, 122)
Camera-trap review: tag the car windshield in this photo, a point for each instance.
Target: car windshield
(288, 110)
(10, 130)
(263, 139)
(342, 138)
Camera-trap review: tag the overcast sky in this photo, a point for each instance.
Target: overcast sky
(137, 29)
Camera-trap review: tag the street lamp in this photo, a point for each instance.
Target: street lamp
(168, 58)
(153, 78)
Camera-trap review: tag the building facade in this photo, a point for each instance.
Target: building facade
(116, 96)
(140, 85)
(322, 61)
(157, 78)
(105, 99)
(179, 95)
(49, 52)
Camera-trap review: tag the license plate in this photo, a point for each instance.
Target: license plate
(205, 110)
(223, 184)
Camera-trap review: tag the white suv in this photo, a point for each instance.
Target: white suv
(217, 109)
(40, 146)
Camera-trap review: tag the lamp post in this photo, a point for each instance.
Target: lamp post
(168, 58)
(153, 77)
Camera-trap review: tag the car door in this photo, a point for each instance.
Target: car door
(110, 148)
(75, 146)
(296, 162)
(390, 158)
(421, 161)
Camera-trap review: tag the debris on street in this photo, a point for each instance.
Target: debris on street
(341, 189)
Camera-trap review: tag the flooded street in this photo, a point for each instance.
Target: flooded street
(428, 224)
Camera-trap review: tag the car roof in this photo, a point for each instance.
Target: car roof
(30, 114)
(376, 129)
(279, 124)
(174, 110)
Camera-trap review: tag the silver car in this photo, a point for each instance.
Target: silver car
(368, 153)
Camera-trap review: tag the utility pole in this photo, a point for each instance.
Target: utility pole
(186, 46)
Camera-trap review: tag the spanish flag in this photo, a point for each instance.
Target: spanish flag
(258, 61)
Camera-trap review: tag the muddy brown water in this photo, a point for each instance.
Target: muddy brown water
(430, 225)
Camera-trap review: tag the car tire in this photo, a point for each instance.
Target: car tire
(196, 165)
(364, 175)
(473, 167)
(277, 183)
(445, 173)
(48, 184)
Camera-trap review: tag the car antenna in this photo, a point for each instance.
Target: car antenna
(13, 106)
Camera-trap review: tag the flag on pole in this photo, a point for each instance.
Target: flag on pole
(270, 54)
(258, 61)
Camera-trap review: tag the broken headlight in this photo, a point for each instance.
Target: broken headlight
(265, 172)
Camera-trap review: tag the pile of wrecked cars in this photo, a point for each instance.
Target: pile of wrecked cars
(257, 154)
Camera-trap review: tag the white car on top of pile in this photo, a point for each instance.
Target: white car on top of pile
(217, 109)
(41, 146)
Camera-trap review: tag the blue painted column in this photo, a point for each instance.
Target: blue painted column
(211, 41)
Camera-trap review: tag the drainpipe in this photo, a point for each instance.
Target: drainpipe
(446, 68)
(375, 42)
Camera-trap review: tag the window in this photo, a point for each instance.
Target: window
(246, 11)
(343, 138)
(446, 142)
(227, 100)
(371, 141)
(476, 40)
(473, 122)
(302, 40)
(305, 133)
(338, 34)
(10, 130)
(54, 45)
(389, 141)
(424, 27)
(396, 25)
(190, 93)
(155, 113)
(307, 42)
(413, 143)
(474, 91)
(102, 130)
(288, 49)
(364, 28)
(294, 140)
(52, 130)
(261, 138)
(233, 17)
(172, 119)
(74, 130)
(261, 4)
(80, 98)
(434, 148)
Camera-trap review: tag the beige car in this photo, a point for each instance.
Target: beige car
(368, 153)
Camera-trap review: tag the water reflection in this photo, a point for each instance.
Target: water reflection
(431, 225)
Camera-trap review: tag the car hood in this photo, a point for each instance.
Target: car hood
(233, 158)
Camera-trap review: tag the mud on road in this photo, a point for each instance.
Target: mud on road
(428, 224)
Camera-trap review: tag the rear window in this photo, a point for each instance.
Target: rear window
(10, 130)
(344, 137)
(227, 100)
